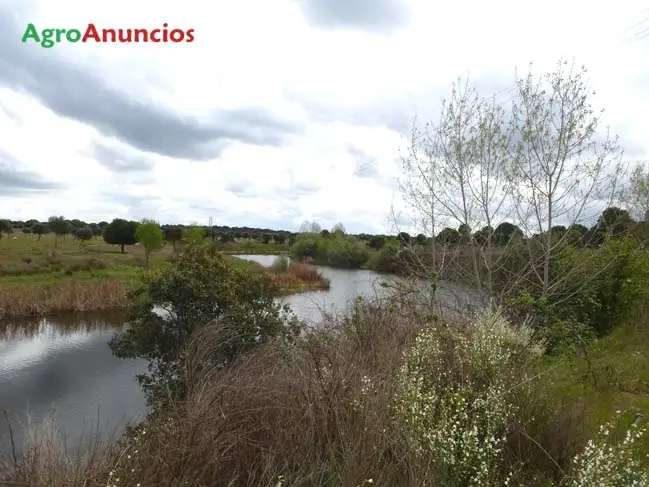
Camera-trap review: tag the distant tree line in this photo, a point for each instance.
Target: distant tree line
(613, 221)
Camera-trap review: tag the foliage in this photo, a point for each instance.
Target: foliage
(280, 264)
(59, 226)
(604, 462)
(149, 234)
(607, 284)
(386, 260)
(173, 234)
(458, 420)
(83, 234)
(5, 227)
(200, 290)
(120, 232)
(194, 234)
(335, 249)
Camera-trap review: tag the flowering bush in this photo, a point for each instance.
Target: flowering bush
(453, 398)
(609, 464)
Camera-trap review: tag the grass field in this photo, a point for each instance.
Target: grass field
(39, 276)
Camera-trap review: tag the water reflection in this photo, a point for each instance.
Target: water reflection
(62, 365)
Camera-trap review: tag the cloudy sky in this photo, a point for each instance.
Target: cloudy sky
(281, 110)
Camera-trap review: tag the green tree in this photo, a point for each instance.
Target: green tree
(173, 234)
(615, 221)
(120, 232)
(5, 227)
(96, 230)
(403, 238)
(59, 226)
(448, 236)
(39, 229)
(194, 233)
(338, 228)
(150, 235)
(465, 232)
(505, 232)
(83, 234)
(203, 291)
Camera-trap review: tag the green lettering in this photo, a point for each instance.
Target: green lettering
(73, 35)
(31, 33)
(47, 41)
(59, 33)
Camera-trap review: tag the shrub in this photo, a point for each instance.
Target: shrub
(200, 290)
(606, 284)
(280, 264)
(454, 398)
(386, 260)
(604, 462)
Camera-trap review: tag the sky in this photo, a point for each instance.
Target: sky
(279, 111)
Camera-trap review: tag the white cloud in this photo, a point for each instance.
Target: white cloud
(303, 100)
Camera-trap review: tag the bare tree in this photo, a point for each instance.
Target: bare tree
(310, 227)
(639, 192)
(561, 166)
(454, 175)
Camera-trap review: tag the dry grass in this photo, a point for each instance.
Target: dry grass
(298, 277)
(37, 299)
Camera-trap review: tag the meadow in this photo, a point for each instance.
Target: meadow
(43, 275)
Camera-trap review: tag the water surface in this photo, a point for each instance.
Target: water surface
(63, 364)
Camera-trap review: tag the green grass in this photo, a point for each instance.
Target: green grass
(27, 260)
(612, 376)
(40, 268)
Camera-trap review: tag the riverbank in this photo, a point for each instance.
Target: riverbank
(39, 277)
(274, 426)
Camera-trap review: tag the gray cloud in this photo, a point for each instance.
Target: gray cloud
(242, 189)
(10, 113)
(75, 93)
(393, 115)
(365, 163)
(119, 162)
(15, 181)
(374, 15)
(305, 189)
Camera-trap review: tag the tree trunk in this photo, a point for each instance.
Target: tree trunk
(122, 245)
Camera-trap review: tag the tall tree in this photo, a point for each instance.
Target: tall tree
(173, 234)
(59, 226)
(83, 234)
(150, 235)
(120, 232)
(310, 227)
(39, 229)
(562, 166)
(639, 192)
(5, 227)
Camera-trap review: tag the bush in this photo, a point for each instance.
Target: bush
(200, 290)
(280, 264)
(336, 250)
(386, 260)
(606, 284)
(454, 398)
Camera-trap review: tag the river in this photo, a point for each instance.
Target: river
(62, 366)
